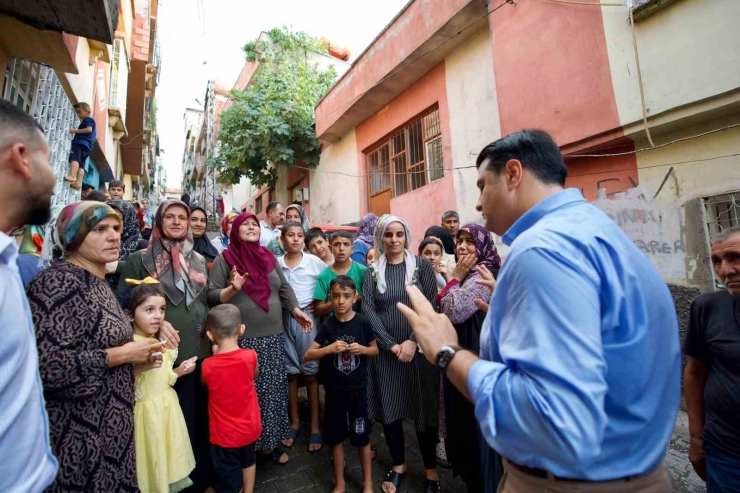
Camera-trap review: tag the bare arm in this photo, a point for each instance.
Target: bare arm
(321, 308)
(694, 381)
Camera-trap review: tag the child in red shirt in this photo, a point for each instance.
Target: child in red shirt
(233, 410)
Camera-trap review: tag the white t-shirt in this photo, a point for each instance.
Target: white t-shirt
(267, 234)
(303, 277)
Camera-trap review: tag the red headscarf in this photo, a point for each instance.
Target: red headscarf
(251, 258)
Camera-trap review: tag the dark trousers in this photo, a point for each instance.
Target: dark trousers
(193, 398)
(723, 470)
(396, 441)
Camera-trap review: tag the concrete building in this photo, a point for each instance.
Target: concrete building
(402, 128)
(52, 59)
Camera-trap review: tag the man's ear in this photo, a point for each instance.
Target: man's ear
(18, 160)
(513, 173)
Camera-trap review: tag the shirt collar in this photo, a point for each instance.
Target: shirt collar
(543, 208)
(302, 265)
(8, 248)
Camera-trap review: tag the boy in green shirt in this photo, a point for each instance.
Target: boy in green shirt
(341, 247)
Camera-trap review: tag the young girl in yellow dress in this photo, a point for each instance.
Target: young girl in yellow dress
(164, 458)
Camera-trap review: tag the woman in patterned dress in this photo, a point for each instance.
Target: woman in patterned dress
(407, 386)
(465, 446)
(247, 276)
(86, 354)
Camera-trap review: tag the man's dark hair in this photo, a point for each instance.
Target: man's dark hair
(450, 214)
(535, 149)
(344, 282)
(87, 186)
(272, 206)
(291, 224)
(96, 196)
(341, 234)
(314, 233)
(116, 184)
(224, 321)
(17, 124)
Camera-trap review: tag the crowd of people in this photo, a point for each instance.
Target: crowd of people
(147, 357)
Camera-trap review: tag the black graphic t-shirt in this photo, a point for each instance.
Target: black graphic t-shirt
(345, 371)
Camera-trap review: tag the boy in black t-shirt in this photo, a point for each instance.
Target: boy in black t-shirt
(345, 341)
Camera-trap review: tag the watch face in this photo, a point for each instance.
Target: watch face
(444, 356)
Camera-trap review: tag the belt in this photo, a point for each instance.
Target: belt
(543, 474)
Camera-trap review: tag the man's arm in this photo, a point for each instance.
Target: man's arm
(694, 381)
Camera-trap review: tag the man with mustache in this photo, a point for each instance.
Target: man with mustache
(712, 375)
(27, 183)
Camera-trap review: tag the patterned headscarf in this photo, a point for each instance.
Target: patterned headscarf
(72, 227)
(485, 248)
(254, 259)
(180, 270)
(224, 227)
(130, 234)
(305, 223)
(380, 266)
(33, 235)
(366, 229)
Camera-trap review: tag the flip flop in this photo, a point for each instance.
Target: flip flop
(274, 456)
(432, 486)
(74, 187)
(315, 439)
(293, 435)
(394, 478)
(68, 180)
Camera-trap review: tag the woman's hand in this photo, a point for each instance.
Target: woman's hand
(442, 270)
(237, 280)
(141, 352)
(169, 334)
(464, 266)
(407, 352)
(303, 319)
(186, 367)
(396, 350)
(487, 280)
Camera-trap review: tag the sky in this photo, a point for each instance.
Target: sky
(203, 39)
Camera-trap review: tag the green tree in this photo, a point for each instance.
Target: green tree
(272, 121)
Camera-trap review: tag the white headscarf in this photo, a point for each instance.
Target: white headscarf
(380, 266)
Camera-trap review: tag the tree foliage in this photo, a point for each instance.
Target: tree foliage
(271, 123)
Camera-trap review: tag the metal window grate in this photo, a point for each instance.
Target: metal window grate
(723, 212)
(36, 89)
(414, 152)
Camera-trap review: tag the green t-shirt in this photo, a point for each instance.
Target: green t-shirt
(356, 273)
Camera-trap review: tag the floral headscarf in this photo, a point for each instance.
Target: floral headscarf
(251, 258)
(224, 227)
(485, 248)
(305, 223)
(72, 227)
(366, 229)
(380, 266)
(33, 235)
(180, 270)
(130, 234)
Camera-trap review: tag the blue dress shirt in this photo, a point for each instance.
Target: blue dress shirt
(27, 463)
(580, 368)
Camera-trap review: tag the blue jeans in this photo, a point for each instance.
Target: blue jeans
(723, 471)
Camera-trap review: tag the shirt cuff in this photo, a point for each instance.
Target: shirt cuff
(477, 376)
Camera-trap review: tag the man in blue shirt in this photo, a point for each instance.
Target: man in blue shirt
(579, 369)
(27, 463)
(82, 145)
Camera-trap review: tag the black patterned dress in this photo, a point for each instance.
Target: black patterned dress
(90, 406)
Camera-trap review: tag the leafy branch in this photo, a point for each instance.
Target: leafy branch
(271, 122)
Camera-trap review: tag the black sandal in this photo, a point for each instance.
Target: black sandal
(274, 456)
(394, 478)
(432, 486)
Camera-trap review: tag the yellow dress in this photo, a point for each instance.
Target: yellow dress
(164, 458)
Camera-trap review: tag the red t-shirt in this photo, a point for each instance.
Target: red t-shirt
(232, 400)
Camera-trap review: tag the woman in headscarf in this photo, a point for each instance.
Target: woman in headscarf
(86, 353)
(130, 233)
(448, 242)
(294, 213)
(407, 386)
(364, 238)
(198, 226)
(222, 242)
(471, 458)
(182, 273)
(248, 276)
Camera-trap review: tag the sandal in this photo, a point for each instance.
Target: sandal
(315, 439)
(274, 456)
(293, 435)
(394, 478)
(432, 486)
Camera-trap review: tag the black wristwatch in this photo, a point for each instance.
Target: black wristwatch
(445, 355)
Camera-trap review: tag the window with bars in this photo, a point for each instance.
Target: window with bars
(119, 77)
(722, 212)
(409, 158)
